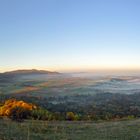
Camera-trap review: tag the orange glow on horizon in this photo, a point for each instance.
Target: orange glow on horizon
(85, 68)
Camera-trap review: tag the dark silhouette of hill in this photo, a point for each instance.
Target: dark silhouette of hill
(32, 71)
(12, 75)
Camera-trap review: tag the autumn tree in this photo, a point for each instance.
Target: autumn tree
(70, 116)
(16, 109)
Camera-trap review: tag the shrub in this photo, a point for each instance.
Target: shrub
(40, 114)
(16, 110)
(19, 113)
(70, 116)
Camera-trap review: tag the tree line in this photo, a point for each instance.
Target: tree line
(102, 106)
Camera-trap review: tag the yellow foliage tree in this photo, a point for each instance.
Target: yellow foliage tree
(70, 116)
(10, 104)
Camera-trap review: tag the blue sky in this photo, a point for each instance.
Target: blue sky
(69, 35)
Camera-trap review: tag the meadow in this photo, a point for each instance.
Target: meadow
(64, 130)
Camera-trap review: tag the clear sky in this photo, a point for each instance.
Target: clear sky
(69, 35)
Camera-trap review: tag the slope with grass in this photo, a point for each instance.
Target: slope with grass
(40, 130)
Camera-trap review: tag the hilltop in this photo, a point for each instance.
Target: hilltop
(30, 71)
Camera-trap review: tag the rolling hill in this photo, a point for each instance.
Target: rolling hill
(24, 72)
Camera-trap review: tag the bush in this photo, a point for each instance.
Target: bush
(40, 114)
(12, 104)
(19, 113)
(70, 116)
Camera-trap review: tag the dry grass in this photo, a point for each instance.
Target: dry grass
(40, 130)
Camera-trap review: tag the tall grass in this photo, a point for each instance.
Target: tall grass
(40, 130)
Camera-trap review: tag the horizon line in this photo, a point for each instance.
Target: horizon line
(76, 70)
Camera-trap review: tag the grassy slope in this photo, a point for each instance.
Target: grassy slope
(38, 130)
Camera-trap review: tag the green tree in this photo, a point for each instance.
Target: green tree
(40, 114)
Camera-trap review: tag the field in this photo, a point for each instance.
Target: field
(40, 130)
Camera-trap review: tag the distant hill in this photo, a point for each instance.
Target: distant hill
(25, 72)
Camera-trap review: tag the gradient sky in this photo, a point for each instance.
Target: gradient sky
(69, 35)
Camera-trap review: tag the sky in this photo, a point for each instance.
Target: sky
(70, 35)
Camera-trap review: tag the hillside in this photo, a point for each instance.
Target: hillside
(32, 71)
(40, 130)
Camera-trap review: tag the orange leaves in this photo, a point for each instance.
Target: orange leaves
(12, 103)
